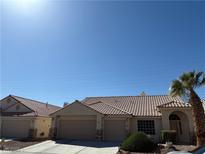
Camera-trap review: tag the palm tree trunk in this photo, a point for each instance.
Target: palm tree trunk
(198, 117)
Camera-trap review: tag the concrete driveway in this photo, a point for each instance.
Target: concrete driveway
(72, 147)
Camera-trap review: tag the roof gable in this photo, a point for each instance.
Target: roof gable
(76, 108)
(11, 106)
(7, 102)
(37, 108)
(18, 107)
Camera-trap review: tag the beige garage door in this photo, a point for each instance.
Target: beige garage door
(77, 129)
(114, 130)
(15, 128)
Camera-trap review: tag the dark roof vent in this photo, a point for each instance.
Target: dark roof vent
(65, 103)
(143, 94)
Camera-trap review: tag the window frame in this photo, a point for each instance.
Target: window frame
(146, 126)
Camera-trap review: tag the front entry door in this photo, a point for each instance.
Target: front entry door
(176, 125)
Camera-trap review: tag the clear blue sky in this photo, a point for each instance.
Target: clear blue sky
(59, 51)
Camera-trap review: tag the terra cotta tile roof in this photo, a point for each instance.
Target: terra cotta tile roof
(107, 109)
(133, 105)
(38, 108)
(174, 104)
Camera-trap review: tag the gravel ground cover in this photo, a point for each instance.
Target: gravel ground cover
(186, 148)
(18, 144)
(161, 149)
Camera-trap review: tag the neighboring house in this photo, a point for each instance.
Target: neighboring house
(113, 118)
(22, 117)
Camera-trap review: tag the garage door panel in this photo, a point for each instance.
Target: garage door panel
(114, 130)
(15, 128)
(77, 129)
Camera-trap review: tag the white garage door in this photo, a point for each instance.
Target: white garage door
(77, 129)
(114, 130)
(15, 128)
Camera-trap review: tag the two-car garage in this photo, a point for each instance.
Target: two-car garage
(77, 129)
(114, 130)
(15, 128)
(85, 128)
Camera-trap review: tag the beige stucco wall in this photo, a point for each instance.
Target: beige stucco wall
(99, 122)
(157, 123)
(43, 125)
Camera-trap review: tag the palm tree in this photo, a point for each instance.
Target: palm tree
(185, 86)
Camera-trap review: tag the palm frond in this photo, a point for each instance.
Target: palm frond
(177, 88)
(187, 79)
(199, 79)
(203, 80)
(187, 82)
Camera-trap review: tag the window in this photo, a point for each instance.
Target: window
(146, 126)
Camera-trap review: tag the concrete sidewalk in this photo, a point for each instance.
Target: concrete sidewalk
(71, 147)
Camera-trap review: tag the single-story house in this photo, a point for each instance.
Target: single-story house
(113, 118)
(22, 117)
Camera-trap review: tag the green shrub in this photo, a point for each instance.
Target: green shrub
(138, 142)
(168, 136)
